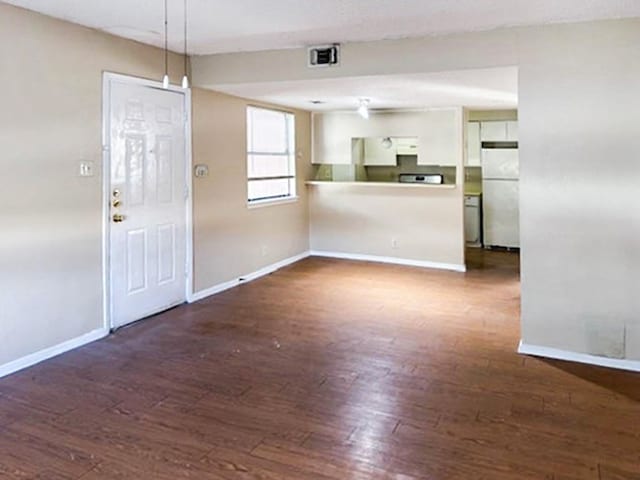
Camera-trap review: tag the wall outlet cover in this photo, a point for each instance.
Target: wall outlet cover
(86, 169)
(201, 171)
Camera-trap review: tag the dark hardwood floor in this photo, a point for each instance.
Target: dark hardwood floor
(327, 369)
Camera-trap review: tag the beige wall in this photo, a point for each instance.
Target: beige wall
(50, 119)
(51, 219)
(578, 149)
(580, 195)
(231, 240)
(579, 143)
(427, 223)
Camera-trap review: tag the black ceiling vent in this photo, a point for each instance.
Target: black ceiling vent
(324, 55)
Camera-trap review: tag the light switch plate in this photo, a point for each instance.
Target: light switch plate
(201, 171)
(86, 169)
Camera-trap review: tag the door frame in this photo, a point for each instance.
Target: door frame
(108, 78)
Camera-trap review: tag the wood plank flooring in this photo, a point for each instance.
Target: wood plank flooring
(326, 370)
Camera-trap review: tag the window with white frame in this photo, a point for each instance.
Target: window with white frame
(270, 155)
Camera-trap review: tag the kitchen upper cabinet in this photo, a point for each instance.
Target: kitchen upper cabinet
(499, 131)
(407, 145)
(441, 138)
(493, 131)
(380, 151)
(474, 146)
(434, 135)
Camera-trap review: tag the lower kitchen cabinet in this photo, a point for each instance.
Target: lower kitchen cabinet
(472, 221)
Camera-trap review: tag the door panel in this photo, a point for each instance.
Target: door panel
(136, 260)
(165, 170)
(166, 253)
(148, 243)
(134, 165)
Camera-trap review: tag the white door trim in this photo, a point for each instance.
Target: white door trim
(107, 79)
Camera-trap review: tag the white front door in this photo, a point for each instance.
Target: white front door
(147, 199)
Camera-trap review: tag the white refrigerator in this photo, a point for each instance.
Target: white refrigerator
(501, 197)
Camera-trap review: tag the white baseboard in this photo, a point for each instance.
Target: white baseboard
(547, 352)
(221, 287)
(37, 357)
(397, 261)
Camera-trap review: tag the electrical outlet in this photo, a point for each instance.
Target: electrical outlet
(264, 250)
(394, 242)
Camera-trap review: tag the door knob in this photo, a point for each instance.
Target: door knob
(118, 218)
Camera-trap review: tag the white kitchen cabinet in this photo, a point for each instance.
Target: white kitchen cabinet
(474, 145)
(493, 131)
(406, 145)
(439, 133)
(472, 221)
(441, 138)
(379, 152)
(499, 131)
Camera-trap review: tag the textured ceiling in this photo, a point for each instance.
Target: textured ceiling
(249, 25)
(488, 88)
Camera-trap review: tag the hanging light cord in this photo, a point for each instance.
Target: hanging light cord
(166, 38)
(185, 37)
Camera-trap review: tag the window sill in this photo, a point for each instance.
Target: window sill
(271, 202)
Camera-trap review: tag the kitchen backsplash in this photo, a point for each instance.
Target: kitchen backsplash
(473, 180)
(408, 164)
(339, 173)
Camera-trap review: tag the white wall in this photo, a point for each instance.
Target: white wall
(580, 166)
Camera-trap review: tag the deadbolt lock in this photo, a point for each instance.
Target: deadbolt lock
(116, 203)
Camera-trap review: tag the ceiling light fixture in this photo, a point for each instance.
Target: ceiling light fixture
(185, 79)
(363, 109)
(165, 79)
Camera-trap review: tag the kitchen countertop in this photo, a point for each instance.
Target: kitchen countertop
(383, 184)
